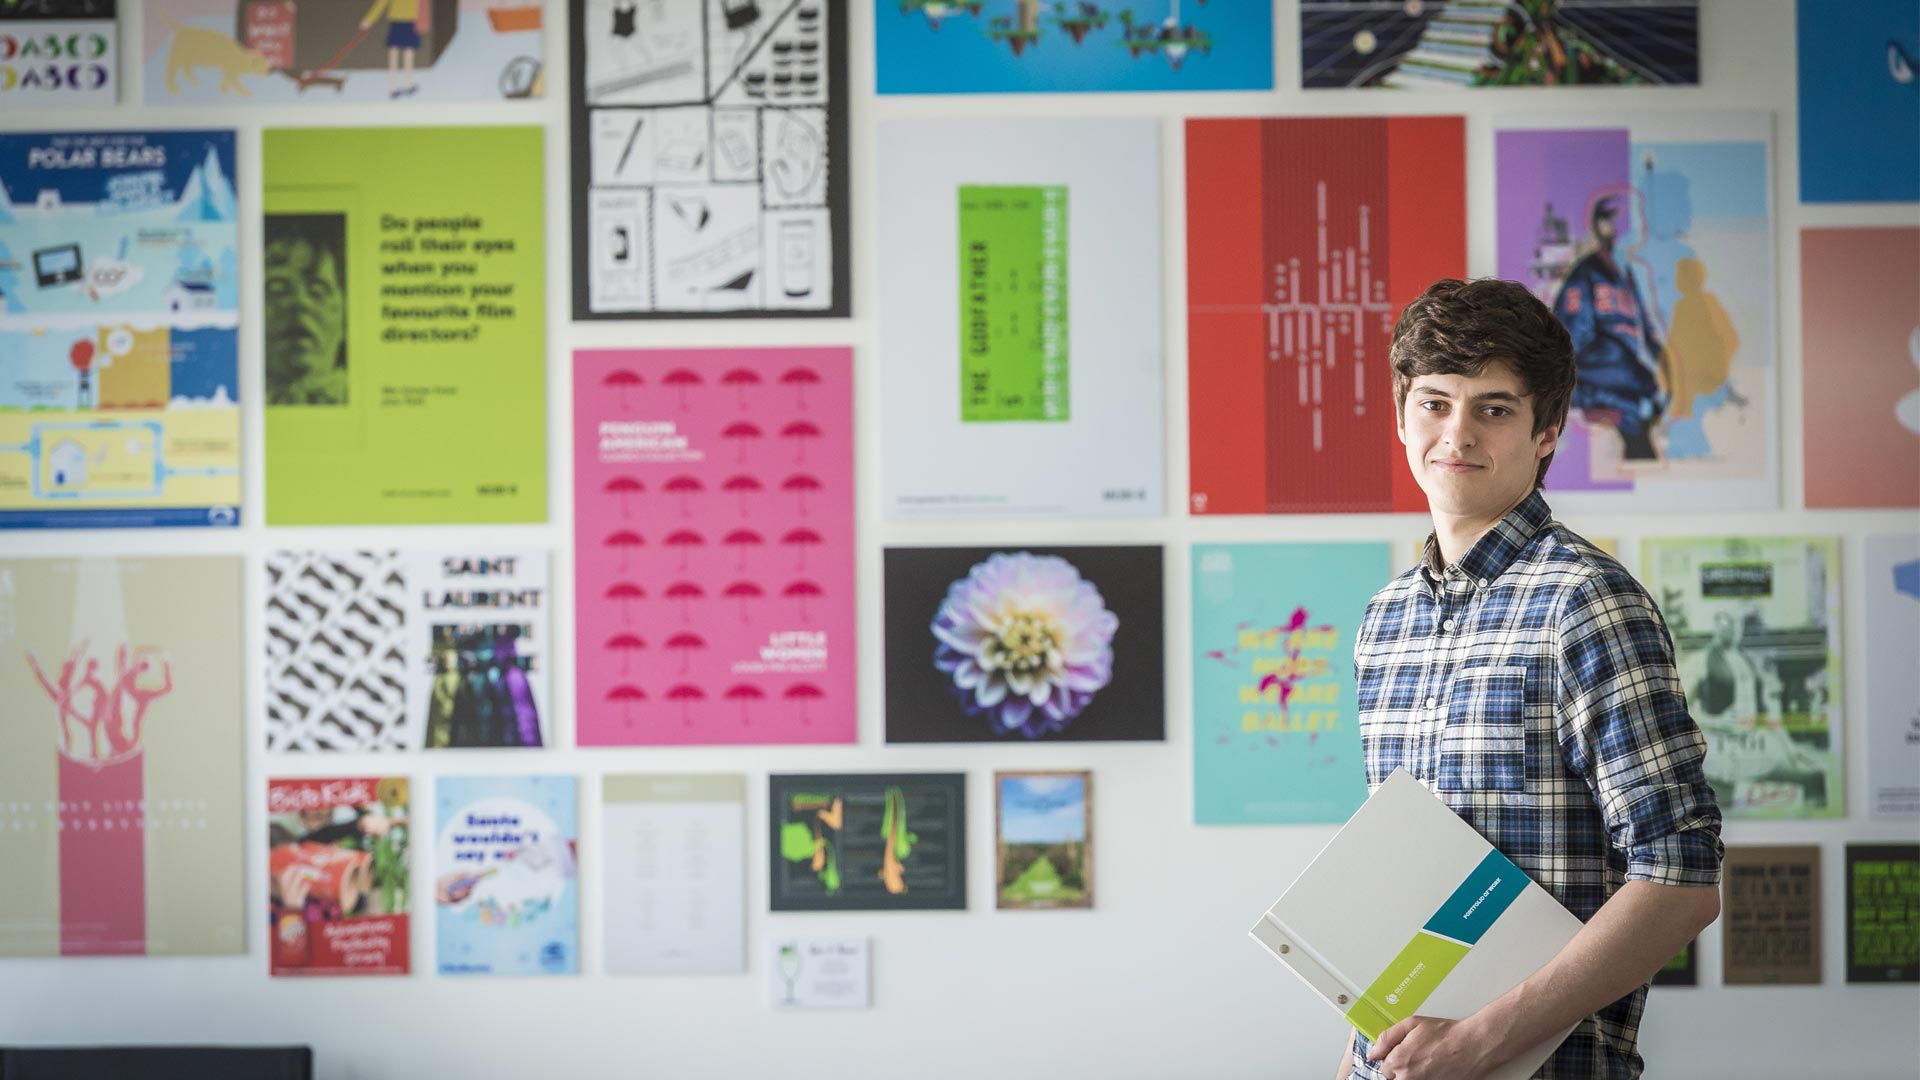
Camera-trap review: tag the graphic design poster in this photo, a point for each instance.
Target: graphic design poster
(1883, 913)
(1683, 969)
(1276, 726)
(822, 973)
(1770, 914)
(675, 874)
(1860, 364)
(58, 52)
(390, 650)
(275, 52)
(1020, 319)
(1043, 839)
(713, 546)
(1022, 644)
(1305, 238)
(1652, 238)
(338, 877)
(1858, 106)
(994, 46)
(505, 894)
(405, 320)
(1756, 635)
(119, 317)
(868, 842)
(120, 757)
(710, 163)
(1475, 43)
(1892, 573)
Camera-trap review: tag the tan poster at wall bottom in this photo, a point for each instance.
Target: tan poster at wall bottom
(1770, 915)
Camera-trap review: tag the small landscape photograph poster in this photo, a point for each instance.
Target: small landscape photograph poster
(1043, 839)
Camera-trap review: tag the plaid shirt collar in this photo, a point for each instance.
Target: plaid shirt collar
(1490, 556)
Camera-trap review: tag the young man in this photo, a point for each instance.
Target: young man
(1528, 680)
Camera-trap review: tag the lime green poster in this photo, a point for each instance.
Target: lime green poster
(405, 325)
(1013, 303)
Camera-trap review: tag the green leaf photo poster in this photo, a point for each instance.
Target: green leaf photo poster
(404, 320)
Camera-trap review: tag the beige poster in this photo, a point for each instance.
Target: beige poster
(1770, 914)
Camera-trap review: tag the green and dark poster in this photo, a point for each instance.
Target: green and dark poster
(1683, 969)
(405, 325)
(1883, 913)
(868, 842)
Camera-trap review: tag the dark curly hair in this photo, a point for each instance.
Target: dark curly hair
(1459, 327)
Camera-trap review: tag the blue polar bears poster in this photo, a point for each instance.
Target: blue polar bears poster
(505, 887)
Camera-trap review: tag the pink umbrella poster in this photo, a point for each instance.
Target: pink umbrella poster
(713, 546)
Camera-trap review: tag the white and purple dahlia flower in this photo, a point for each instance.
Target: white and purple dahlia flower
(1026, 640)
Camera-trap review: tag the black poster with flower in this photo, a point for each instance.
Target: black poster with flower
(1022, 644)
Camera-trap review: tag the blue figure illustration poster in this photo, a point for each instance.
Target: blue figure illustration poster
(1276, 733)
(119, 317)
(506, 894)
(1652, 238)
(1016, 46)
(1859, 101)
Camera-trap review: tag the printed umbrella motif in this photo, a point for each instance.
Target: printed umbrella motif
(743, 539)
(624, 488)
(686, 694)
(680, 379)
(800, 484)
(802, 539)
(686, 592)
(801, 591)
(686, 645)
(740, 378)
(804, 692)
(743, 693)
(624, 542)
(800, 378)
(685, 540)
(626, 645)
(742, 485)
(626, 694)
(683, 486)
(801, 432)
(622, 380)
(625, 593)
(742, 432)
(744, 591)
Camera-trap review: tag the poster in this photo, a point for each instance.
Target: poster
(821, 973)
(1043, 840)
(1305, 239)
(415, 650)
(1891, 571)
(1683, 969)
(506, 898)
(119, 317)
(1756, 635)
(120, 759)
(1025, 644)
(1883, 913)
(1860, 364)
(868, 842)
(405, 326)
(1651, 237)
(1770, 914)
(710, 161)
(58, 52)
(1473, 43)
(288, 52)
(1020, 336)
(675, 874)
(1276, 735)
(1858, 108)
(713, 546)
(995, 46)
(338, 876)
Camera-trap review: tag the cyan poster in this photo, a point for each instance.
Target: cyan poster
(505, 887)
(1859, 103)
(1276, 735)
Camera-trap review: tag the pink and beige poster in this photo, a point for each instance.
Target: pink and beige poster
(120, 757)
(713, 546)
(1860, 354)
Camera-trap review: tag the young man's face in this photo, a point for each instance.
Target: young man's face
(1470, 441)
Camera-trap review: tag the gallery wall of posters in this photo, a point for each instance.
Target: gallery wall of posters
(1860, 366)
(713, 546)
(1770, 914)
(59, 52)
(1276, 732)
(867, 842)
(1305, 238)
(994, 46)
(1858, 109)
(1883, 913)
(1756, 635)
(1043, 840)
(119, 317)
(405, 325)
(1020, 644)
(1651, 236)
(390, 650)
(710, 164)
(506, 897)
(121, 758)
(674, 867)
(1475, 43)
(1891, 574)
(357, 52)
(1020, 336)
(339, 877)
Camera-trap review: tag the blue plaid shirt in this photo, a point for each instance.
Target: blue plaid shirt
(1531, 686)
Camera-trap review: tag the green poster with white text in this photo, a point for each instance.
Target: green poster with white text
(404, 320)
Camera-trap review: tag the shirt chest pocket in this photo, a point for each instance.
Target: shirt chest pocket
(1484, 745)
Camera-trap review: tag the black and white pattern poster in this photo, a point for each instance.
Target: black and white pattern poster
(709, 158)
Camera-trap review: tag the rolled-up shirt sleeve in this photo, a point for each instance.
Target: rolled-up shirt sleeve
(1625, 729)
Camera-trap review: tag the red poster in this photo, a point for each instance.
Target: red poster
(1305, 238)
(337, 876)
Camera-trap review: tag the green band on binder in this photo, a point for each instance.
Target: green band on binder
(1406, 983)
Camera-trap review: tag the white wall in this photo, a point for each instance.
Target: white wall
(1160, 980)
